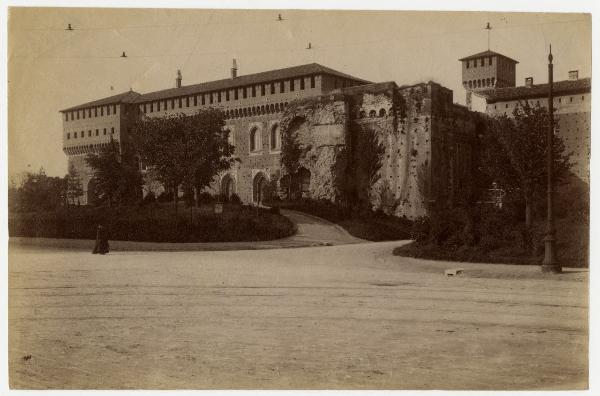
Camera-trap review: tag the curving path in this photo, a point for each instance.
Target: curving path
(312, 231)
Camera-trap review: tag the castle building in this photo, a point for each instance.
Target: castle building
(572, 102)
(427, 139)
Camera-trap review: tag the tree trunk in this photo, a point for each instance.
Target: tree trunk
(527, 237)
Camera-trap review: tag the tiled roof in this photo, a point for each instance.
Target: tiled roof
(125, 97)
(537, 90)
(486, 53)
(257, 78)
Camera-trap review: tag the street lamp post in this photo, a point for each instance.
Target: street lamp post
(550, 263)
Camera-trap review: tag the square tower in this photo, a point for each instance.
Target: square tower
(487, 70)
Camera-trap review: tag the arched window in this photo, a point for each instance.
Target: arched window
(275, 138)
(382, 113)
(277, 107)
(372, 113)
(262, 108)
(272, 107)
(470, 84)
(254, 139)
(487, 82)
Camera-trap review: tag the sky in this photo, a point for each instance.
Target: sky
(50, 68)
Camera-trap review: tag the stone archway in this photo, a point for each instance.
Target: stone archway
(260, 187)
(227, 186)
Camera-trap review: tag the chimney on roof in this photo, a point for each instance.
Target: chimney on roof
(574, 75)
(178, 79)
(234, 69)
(528, 82)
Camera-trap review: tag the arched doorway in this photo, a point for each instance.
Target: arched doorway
(91, 195)
(227, 186)
(260, 187)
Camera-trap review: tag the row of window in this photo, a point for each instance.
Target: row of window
(484, 82)
(481, 62)
(91, 112)
(219, 96)
(274, 139)
(82, 134)
(373, 113)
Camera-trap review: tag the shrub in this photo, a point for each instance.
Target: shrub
(235, 199)
(205, 198)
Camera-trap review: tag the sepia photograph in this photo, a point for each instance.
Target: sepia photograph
(297, 199)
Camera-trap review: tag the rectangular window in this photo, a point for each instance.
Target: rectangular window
(227, 95)
(102, 111)
(236, 94)
(292, 85)
(203, 99)
(219, 96)
(211, 97)
(90, 133)
(571, 99)
(468, 64)
(187, 101)
(158, 106)
(474, 62)
(89, 113)
(301, 83)
(151, 107)
(272, 88)
(114, 109)
(262, 90)
(172, 104)
(112, 131)
(97, 132)
(105, 131)
(245, 92)
(107, 110)
(312, 81)
(68, 135)
(254, 91)
(95, 112)
(481, 61)
(179, 102)
(281, 86)
(83, 114)
(195, 100)
(490, 61)
(74, 135)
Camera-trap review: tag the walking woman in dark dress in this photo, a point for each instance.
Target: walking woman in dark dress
(101, 241)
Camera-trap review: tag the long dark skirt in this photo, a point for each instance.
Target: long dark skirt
(101, 247)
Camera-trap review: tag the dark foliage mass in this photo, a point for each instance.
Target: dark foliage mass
(154, 223)
(184, 150)
(514, 159)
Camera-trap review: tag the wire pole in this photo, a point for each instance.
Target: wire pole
(550, 263)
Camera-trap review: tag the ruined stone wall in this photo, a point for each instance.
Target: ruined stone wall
(319, 126)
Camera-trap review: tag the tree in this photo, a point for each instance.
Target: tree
(116, 173)
(185, 150)
(37, 191)
(74, 187)
(514, 155)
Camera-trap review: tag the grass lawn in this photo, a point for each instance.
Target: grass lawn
(157, 222)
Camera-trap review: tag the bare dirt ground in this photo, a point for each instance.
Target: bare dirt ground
(346, 317)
